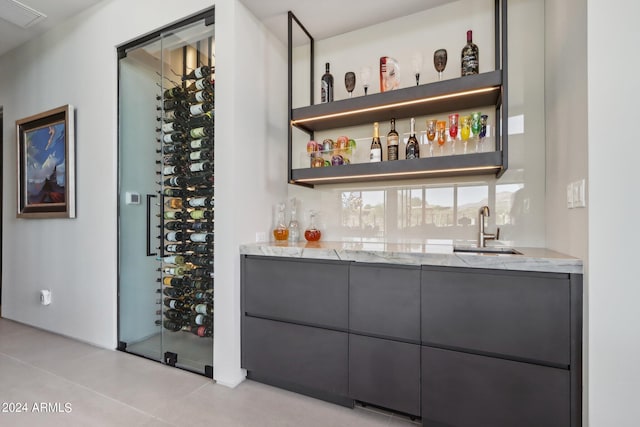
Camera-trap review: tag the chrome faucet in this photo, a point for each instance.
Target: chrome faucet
(482, 236)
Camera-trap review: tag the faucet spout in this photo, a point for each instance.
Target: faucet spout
(482, 236)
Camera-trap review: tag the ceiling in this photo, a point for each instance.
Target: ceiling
(328, 18)
(55, 11)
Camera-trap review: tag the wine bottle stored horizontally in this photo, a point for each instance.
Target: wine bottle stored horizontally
(201, 166)
(173, 92)
(470, 57)
(200, 84)
(392, 142)
(375, 152)
(201, 143)
(198, 109)
(198, 73)
(200, 96)
(326, 85)
(413, 148)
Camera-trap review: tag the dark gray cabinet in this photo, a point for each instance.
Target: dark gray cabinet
(456, 346)
(470, 390)
(384, 301)
(515, 314)
(311, 358)
(385, 373)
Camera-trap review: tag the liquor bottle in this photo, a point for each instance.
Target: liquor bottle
(392, 142)
(200, 226)
(198, 109)
(375, 154)
(204, 83)
(470, 57)
(172, 325)
(197, 133)
(198, 73)
(413, 148)
(201, 202)
(201, 166)
(326, 87)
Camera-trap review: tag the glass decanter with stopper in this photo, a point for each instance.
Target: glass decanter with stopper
(294, 229)
(312, 233)
(280, 231)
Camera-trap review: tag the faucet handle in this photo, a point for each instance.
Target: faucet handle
(497, 233)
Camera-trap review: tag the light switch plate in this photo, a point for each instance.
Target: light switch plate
(579, 200)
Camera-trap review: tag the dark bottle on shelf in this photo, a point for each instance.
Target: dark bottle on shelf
(172, 149)
(174, 281)
(176, 225)
(177, 304)
(200, 261)
(179, 316)
(202, 331)
(172, 292)
(172, 248)
(413, 148)
(203, 272)
(173, 92)
(200, 226)
(176, 181)
(174, 192)
(204, 83)
(375, 152)
(172, 325)
(173, 137)
(470, 57)
(198, 73)
(201, 132)
(205, 119)
(199, 248)
(173, 160)
(201, 166)
(202, 284)
(392, 142)
(326, 85)
(201, 143)
(171, 104)
(200, 96)
(198, 109)
(200, 180)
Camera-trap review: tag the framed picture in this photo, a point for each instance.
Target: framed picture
(46, 164)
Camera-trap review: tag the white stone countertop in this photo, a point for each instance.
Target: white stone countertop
(433, 253)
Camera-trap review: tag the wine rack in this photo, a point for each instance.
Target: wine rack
(187, 202)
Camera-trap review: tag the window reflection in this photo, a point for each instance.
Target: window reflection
(430, 211)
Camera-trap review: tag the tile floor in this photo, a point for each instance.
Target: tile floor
(82, 385)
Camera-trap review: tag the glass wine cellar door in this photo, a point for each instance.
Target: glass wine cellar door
(166, 195)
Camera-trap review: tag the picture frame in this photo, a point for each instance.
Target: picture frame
(46, 164)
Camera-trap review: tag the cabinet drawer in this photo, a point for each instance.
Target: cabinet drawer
(385, 373)
(309, 291)
(468, 390)
(385, 301)
(310, 357)
(523, 315)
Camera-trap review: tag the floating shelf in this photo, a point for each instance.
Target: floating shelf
(467, 92)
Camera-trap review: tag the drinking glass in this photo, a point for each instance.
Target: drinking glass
(441, 127)
(453, 129)
(350, 82)
(440, 61)
(483, 131)
(431, 132)
(365, 76)
(465, 130)
(416, 61)
(475, 123)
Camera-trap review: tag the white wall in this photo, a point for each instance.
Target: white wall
(77, 259)
(614, 287)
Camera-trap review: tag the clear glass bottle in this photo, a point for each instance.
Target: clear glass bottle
(294, 229)
(312, 233)
(280, 231)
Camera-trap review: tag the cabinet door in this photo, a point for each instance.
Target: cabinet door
(306, 291)
(523, 315)
(468, 390)
(306, 356)
(385, 373)
(385, 301)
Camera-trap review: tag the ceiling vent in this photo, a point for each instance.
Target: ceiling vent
(20, 14)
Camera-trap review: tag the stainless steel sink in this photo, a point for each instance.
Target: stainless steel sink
(499, 250)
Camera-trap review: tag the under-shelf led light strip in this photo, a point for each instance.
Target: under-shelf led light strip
(399, 174)
(395, 105)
